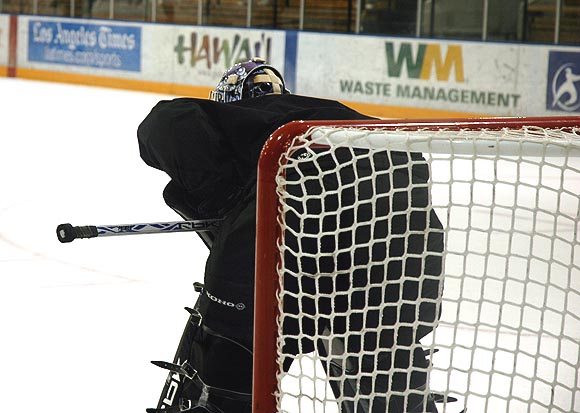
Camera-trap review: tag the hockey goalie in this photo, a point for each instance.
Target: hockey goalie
(210, 150)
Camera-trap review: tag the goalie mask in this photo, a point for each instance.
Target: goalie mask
(249, 79)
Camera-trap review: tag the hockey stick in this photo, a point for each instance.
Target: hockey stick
(68, 233)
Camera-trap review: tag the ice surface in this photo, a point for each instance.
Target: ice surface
(79, 322)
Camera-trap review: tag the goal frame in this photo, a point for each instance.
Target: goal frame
(265, 366)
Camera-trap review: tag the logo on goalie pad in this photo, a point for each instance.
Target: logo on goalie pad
(172, 383)
(238, 306)
(564, 82)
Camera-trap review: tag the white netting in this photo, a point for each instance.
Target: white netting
(358, 269)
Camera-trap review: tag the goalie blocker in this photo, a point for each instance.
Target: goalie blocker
(210, 151)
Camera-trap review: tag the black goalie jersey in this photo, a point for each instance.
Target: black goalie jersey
(210, 151)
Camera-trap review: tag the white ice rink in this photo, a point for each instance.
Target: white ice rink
(79, 322)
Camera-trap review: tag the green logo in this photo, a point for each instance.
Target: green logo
(220, 51)
(428, 60)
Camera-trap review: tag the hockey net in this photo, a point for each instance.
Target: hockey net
(501, 333)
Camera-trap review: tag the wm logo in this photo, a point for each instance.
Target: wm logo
(429, 59)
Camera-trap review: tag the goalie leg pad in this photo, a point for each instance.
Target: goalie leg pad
(210, 373)
(362, 383)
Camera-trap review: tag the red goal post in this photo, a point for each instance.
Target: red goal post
(266, 367)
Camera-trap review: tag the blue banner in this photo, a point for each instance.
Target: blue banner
(563, 93)
(92, 45)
